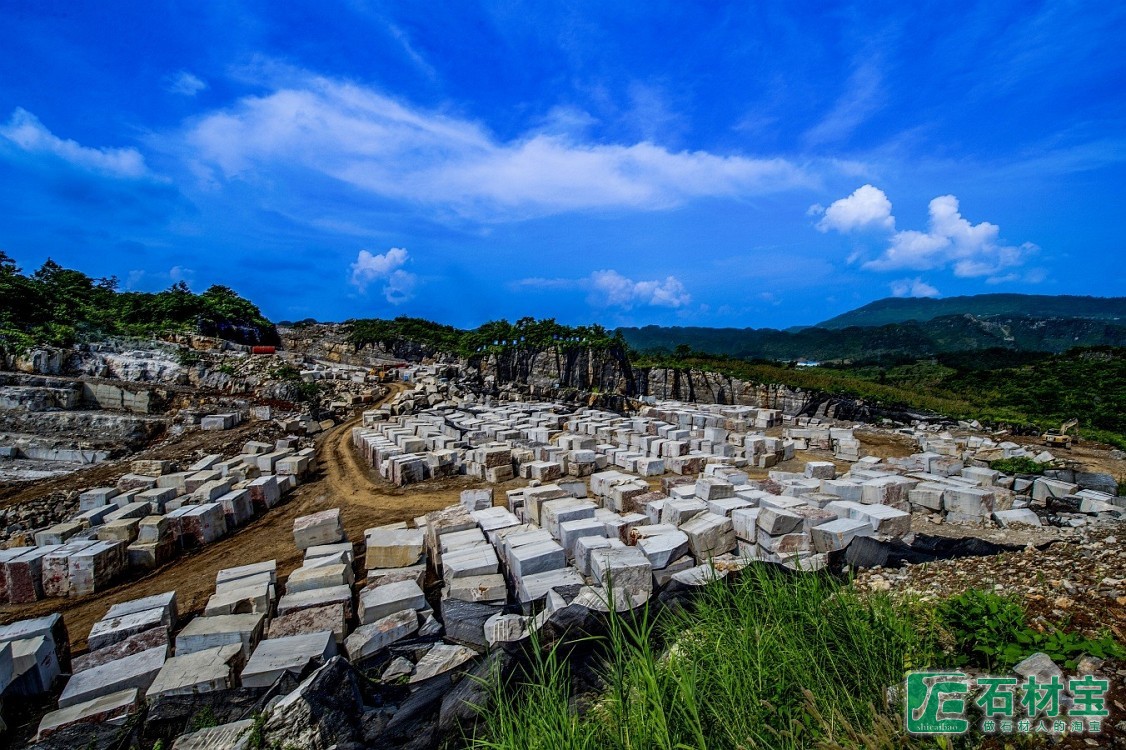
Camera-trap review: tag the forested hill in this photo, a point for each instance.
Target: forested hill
(902, 309)
(59, 306)
(953, 333)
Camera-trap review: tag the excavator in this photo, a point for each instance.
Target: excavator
(1059, 438)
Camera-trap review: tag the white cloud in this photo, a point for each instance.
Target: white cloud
(390, 149)
(867, 208)
(186, 84)
(398, 285)
(863, 96)
(26, 131)
(915, 287)
(608, 288)
(972, 250)
(612, 289)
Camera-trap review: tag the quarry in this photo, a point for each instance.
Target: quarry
(186, 534)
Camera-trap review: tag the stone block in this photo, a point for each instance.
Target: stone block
(333, 617)
(114, 708)
(136, 671)
(264, 493)
(276, 656)
(324, 527)
(152, 638)
(381, 600)
(372, 639)
(478, 588)
(709, 535)
(394, 548)
(837, 535)
(661, 549)
(676, 511)
(776, 521)
(626, 571)
(243, 630)
(206, 671)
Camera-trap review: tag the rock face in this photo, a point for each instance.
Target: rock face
(323, 712)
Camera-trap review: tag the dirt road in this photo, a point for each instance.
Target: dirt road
(341, 480)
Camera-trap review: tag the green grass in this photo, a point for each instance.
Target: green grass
(1017, 465)
(771, 661)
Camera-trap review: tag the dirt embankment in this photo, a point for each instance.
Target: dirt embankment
(341, 479)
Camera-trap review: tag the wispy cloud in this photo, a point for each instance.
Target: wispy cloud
(862, 97)
(387, 148)
(609, 288)
(26, 131)
(185, 83)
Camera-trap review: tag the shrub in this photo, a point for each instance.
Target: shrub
(1017, 465)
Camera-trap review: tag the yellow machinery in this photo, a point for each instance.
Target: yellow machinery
(1059, 438)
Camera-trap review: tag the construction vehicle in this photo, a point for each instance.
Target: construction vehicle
(1059, 438)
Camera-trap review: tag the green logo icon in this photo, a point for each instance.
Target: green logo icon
(936, 702)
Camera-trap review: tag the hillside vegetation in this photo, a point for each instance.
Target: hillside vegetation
(902, 309)
(1023, 390)
(60, 306)
(949, 333)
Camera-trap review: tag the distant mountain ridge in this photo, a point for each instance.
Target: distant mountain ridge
(922, 309)
(909, 328)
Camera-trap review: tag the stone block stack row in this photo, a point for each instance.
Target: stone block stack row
(149, 517)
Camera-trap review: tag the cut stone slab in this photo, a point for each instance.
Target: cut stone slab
(534, 587)
(221, 630)
(111, 630)
(394, 548)
(308, 578)
(382, 600)
(238, 598)
(156, 637)
(538, 557)
(776, 521)
(482, 588)
(135, 671)
(469, 561)
(441, 658)
(243, 571)
(626, 571)
(1016, 518)
(300, 600)
(276, 656)
(371, 639)
(709, 535)
(112, 708)
(166, 602)
(332, 617)
(677, 511)
(662, 549)
(325, 527)
(836, 535)
(199, 672)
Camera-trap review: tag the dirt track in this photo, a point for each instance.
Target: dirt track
(341, 480)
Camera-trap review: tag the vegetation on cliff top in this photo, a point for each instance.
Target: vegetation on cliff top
(494, 337)
(60, 306)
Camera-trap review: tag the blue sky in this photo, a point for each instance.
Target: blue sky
(743, 164)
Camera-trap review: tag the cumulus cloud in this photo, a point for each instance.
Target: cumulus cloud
(972, 250)
(398, 284)
(26, 131)
(915, 287)
(388, 148)
(867, 208)
(185, 84)
(950, 241)
(612, 289)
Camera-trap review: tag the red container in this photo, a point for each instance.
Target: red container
(262, 349)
